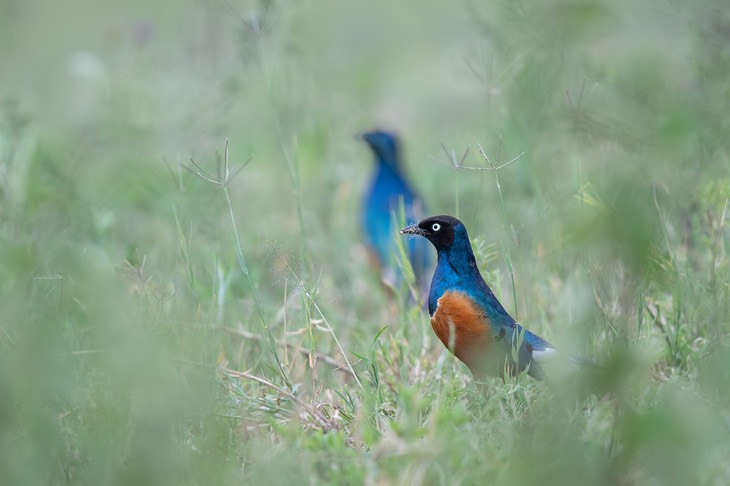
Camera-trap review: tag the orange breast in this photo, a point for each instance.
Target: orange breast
(464, 330)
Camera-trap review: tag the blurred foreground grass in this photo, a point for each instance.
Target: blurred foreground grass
(138, 346)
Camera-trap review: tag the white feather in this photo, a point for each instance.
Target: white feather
(546, 354)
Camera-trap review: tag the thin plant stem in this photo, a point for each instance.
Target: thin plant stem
(291, 163)
(495, 168)
(313, 303)
(223, 177)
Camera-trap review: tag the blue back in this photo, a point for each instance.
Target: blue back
(389, 189)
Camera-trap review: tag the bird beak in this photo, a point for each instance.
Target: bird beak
(413, 230)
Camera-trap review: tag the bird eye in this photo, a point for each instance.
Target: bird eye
(436, 227)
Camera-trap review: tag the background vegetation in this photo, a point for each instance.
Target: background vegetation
(157, 328)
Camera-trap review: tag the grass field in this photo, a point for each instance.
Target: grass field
(157, 328)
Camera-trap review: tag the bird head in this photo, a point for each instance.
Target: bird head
(439, 230)
(384, 144)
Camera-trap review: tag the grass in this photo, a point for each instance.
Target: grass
(159, 328)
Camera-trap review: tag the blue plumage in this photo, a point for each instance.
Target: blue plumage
(466, 315)
(388, 190)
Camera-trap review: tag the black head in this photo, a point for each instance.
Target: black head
(384, 144)
(439, 230)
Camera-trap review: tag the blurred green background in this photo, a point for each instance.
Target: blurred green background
(156, 328)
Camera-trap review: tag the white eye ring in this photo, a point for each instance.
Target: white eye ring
(435, 226)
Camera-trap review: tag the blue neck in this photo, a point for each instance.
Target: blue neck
(388, 181)
(386, 169)
(457, 270)
(460, 257)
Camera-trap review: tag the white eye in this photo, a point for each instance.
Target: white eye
(435, 226)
